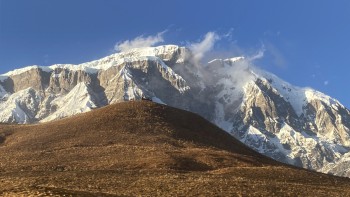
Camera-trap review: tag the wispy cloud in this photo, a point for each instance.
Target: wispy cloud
(258, 55)
(139, 42)
(326, 82)
(199, 49)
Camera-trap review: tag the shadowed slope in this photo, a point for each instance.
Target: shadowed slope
(143, 148)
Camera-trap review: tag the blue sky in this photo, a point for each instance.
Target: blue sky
(306, 42)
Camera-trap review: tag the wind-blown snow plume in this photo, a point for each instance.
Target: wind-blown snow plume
(228, 72)
(240, 73)
(139, 42)
(201, 48)
(237, 72)
(258, 55)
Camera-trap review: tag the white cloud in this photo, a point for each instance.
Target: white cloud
(201, 48)
(235, 75)
(258, 55)
(139, 42)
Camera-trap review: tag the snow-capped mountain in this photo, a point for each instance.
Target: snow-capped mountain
(38, 93)
(300, 126)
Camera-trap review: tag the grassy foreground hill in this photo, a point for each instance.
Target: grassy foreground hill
(144, 149)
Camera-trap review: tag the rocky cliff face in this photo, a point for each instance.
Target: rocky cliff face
(295, 125)
(63, 90)
(310, 137)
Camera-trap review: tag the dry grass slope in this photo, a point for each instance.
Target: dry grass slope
(142, 148)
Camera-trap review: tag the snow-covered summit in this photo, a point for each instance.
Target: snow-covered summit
(298, 97)
(164, 52)
(117, 77)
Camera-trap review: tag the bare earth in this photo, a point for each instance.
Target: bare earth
(144, 149)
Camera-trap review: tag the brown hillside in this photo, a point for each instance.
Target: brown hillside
(142, 148)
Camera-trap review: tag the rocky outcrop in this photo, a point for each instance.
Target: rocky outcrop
(34, 78)
(270, 125)
(63, 80)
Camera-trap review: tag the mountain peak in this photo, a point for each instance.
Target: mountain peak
(164, 52)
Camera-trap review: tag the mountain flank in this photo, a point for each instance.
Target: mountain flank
(143, 148)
